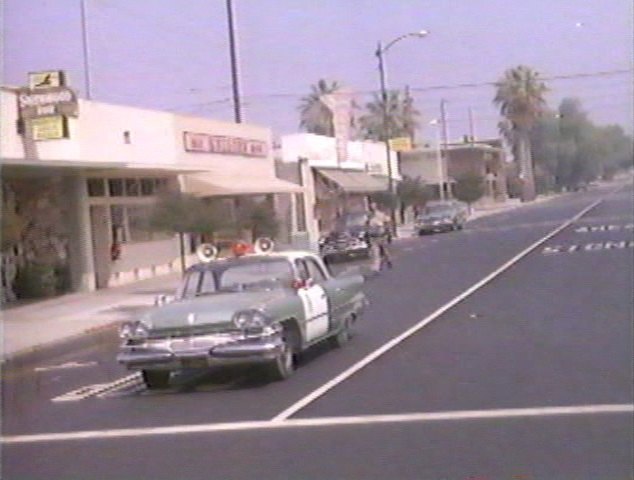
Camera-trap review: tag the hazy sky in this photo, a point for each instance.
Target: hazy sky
(173, 54)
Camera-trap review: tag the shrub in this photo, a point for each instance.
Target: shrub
(36, 280)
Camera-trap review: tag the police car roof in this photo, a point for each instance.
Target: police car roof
(290, 255)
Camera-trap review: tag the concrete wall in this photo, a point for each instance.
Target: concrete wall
(423, 164)
(102, 134)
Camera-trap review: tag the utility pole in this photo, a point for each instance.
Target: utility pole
(237, 111)
(84, 37)
(471, 126)
(445, 141)
(387, 134)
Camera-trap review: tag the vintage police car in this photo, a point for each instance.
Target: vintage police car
(262, 308)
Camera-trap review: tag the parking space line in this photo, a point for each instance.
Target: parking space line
(324, 422)
(322, 390)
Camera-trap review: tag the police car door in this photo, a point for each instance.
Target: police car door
(314, 299)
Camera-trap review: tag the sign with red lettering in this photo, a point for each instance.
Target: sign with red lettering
(204, 143)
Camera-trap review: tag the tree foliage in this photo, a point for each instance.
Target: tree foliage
(402, 117)
(469, 187)
(570, 150)
(413, 192)
(315, 116)
(520, 98)
(12, 227)
(257, 217)
(183, 213)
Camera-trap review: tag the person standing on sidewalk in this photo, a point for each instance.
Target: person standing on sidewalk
(378, 232)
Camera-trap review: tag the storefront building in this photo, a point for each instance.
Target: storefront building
(334, 187)
(77, 197)
(485, 159)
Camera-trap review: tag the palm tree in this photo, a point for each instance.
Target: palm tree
(315, 116)
(401, 117)
(520, 97)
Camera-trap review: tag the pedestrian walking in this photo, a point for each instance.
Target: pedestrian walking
(378, 233)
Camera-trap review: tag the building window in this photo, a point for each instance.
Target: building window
(126, 137)
(117, 220)
(300, 212)
(147, 187)
(115, 187)
(132, 187)
(96, 187)
(130, 223)
(138, 223)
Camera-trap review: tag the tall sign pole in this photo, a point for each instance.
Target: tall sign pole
(237, 110)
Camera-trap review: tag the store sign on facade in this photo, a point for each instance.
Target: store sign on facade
(46, 102)
(340, 104)
(205, 143)
(45, 105)
(53, 127)
(46, 79)
(401, 144)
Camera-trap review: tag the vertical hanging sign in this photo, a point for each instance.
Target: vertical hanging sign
(340, 104)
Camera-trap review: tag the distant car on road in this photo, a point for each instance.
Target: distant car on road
(349, 239)
(441, 216)
(258, 309)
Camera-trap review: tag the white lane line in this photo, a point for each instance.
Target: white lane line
(65, 366)
(315, 394)
(324, 422)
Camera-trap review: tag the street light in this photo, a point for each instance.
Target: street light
(380, 52)
(441, 172)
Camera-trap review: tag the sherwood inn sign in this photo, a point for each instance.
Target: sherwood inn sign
(45, 105)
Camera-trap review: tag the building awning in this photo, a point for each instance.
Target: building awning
(209, 185)
(354, 181)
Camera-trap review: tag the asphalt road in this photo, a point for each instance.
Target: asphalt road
(476, 393)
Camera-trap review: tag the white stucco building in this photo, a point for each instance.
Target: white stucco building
(333, 186)
(96, 187)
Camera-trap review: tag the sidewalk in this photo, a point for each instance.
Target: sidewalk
(29, 327)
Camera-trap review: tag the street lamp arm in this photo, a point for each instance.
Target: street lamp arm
(382, 50)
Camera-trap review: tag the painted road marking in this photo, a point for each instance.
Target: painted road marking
(588, 247)
(320, 391)
(325, 422)
(65, 366)
(604, 228)
(99, 389)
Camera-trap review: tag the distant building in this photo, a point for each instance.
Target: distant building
(332, 187)
(484, 158)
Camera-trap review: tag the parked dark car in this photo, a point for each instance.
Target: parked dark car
(441, 216)
(349, 239)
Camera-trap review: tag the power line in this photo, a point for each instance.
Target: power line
(281, 96)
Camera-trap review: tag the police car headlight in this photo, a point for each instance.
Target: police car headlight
(137, 329)
(140, 330)
(250, 320)
(125, 330)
